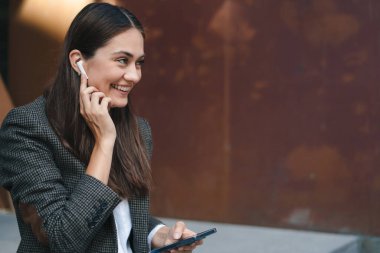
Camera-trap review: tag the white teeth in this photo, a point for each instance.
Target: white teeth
(119, 87)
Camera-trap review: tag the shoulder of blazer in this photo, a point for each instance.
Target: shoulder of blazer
(31, 115)
(34, 108)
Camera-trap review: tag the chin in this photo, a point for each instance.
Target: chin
(119, 104)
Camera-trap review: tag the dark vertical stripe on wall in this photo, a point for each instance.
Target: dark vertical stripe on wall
(4, 24)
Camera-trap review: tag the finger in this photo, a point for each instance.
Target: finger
(96, 97)
(83, 82)
(178, 229)
(187, 233)
(88, 91)
(189, 247)
(106, 103)
(181, 251)
(85, 95)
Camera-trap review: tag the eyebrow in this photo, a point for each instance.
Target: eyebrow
(127, 54)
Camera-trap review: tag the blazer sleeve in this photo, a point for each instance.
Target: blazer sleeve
(67, 221)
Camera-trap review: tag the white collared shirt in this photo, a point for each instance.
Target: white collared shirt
(124, 226)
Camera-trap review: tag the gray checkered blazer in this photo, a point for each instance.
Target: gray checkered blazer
(58, 207)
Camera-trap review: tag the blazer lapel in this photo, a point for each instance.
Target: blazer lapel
(139, 215)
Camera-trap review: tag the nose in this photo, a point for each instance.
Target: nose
(132, 74)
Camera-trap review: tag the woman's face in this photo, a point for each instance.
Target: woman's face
(116, 67)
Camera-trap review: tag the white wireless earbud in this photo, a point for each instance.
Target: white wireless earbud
(80, 66)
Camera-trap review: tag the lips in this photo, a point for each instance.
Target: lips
(121, 87)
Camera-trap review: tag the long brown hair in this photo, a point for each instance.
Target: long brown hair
(91, 29)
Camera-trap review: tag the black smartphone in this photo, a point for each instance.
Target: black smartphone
(185, 241)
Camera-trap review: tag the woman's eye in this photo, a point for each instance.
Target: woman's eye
(140, 63)
(122, 60)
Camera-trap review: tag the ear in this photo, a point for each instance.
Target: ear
(74, 56)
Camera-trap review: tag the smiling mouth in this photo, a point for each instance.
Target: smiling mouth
(121, 88)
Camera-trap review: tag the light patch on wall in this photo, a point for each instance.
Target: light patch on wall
(52, 17)
(348, 78)
(331, 29)
(357, 58)
(360, 108)
(231, 22)
(258, 89)
(376, 184)
(154, 33)
(365, 128)
(324, 162)
(300, 217)
(321, 24)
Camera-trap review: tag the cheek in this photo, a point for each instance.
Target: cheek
(104, 78)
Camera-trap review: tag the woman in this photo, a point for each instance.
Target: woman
(76, 160)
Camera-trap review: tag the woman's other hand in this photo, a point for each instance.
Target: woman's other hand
(166, 235)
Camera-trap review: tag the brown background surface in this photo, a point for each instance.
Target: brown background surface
(6, 105)
(264, 112)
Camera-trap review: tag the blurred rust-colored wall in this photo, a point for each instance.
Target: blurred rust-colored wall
(263, 112)
(5, 106)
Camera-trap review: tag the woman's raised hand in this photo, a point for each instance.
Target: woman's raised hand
(94, 108)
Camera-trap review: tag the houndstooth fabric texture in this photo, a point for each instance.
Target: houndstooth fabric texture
(72, 210)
